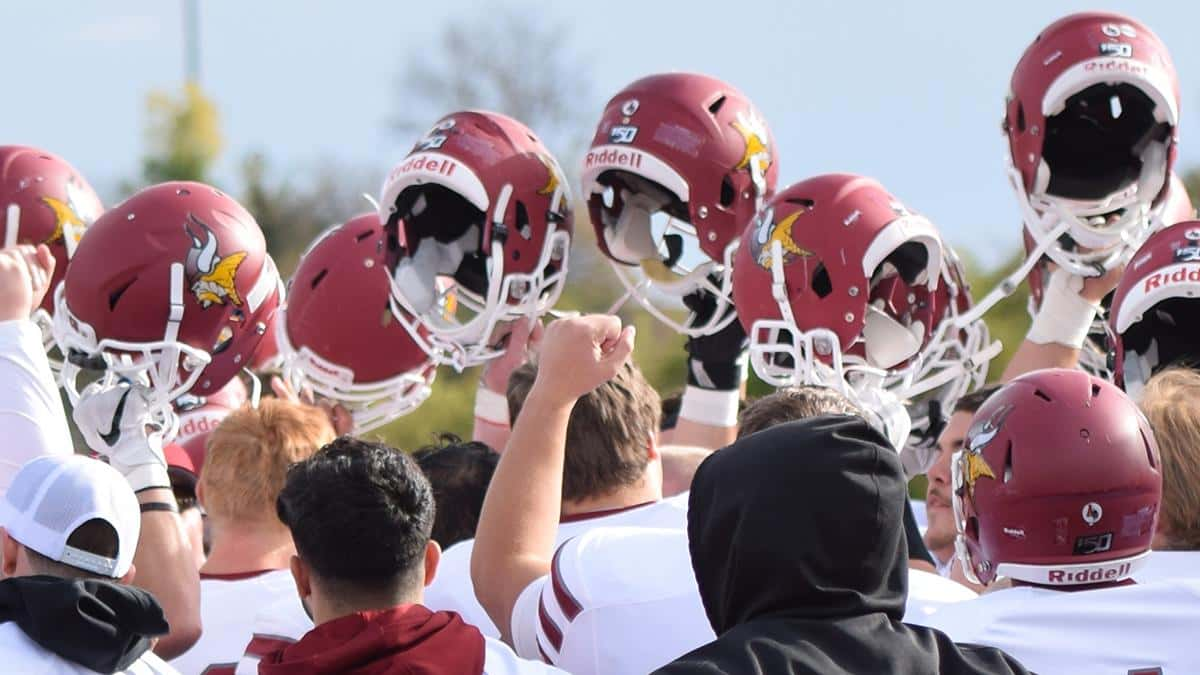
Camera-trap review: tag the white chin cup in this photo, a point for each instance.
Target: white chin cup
(1138, 368)
(630, 239)
(888, 341)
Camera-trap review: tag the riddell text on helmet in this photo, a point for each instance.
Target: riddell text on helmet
(610, 157)
(199, 424)
(430, 163)
(1089, 576)
(1178, 275)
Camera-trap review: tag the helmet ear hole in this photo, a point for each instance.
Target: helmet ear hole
(1020, 117)
(1008, 463)
(715, 106)
(115, 296)
(822, 285)
(727, 192)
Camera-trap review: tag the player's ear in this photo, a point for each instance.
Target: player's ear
(433, 556)
(301, 576)
(9, 551)
(652, 452)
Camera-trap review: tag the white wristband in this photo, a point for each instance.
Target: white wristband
(490, 406)
(1065, 317)
(709, 406)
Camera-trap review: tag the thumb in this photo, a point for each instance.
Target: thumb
(45, 259)
(621, 348)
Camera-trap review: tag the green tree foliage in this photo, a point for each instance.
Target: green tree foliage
(183, 137)
(1009, 319)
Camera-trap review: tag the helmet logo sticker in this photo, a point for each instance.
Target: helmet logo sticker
(1120, 49)
(973, 465)
(629, 107)
(1192, 234)
(69, 216)
(1114, 30)
(1187, 254)
(554, 181)
(620, 135)
(767, 231)
(212, 276)
(1092, 513)
(757, 155)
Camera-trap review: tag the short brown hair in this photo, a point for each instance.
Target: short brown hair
(610, 430)
(790, 404)
(1171, 402)
(249, 453)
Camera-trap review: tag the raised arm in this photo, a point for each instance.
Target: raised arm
(515, 539)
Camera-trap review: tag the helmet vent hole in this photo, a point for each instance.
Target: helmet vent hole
(1149, 451)
(1008, 463)
(727, 192)
(319, 278)
(115, 296)
(822, 285)
(715, 106)
(364, 235)
(1042, 395)
(1020, 118)
(801, 201)
(1095, 390)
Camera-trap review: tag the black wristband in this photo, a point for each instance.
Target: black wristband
(160, 506)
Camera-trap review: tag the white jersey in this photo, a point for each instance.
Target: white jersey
(1127, 630)
(285, 621)
(32, 421)
(23, 655)
(627, 586)
(453, 591)
(1163, 565)
(634, 587)
(227, 605)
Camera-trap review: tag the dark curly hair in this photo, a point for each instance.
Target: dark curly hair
(360, 514)
(459, 472)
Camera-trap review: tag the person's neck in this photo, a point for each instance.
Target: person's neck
(639, 493)
(238, 548)
(942, 556)
(325, 612)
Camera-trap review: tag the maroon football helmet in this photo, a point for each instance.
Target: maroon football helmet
(44, 200)
(172, 289)
(365, 360)
(832, 283)
(200, 416)
(1058, 483)
(1155, 315)
(479, 223)
(678, 166)
(1091, 121)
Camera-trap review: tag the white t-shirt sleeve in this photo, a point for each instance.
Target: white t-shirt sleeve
(498, 659)
(32, 420)
(525, 620)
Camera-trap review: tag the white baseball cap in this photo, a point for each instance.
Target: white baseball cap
(52, 496)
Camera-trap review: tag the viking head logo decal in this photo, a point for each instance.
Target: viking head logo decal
(768, 231)
(212, 276)
(973, 466)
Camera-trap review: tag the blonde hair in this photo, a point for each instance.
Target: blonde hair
(248, 455)
(1171, 401)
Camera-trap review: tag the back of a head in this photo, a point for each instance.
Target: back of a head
(800, 520)
(1171, 402)
(459, 472)
(76, 517)
(360, 514)
(609, 433)
(789, 404)
(1058, 483)
(249, 454)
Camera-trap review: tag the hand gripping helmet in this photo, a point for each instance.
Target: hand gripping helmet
(339, 336)
(44, 200)
(832, 284)
(952, 364)
(677, 168)
(1091, 122)
(478, 217)
(1154, 322)
(1058, 483)
(1094, 356)
(172, 289)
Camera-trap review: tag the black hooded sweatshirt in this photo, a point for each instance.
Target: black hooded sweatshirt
(100, 625)
(798, 546)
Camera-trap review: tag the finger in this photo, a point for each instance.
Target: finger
(536, 334)
(282, 389)
(605, 328)
(45, 259)
(621, 348)
(307, 396)
(519, 335)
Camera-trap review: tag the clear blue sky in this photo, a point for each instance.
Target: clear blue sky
(909, 92)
